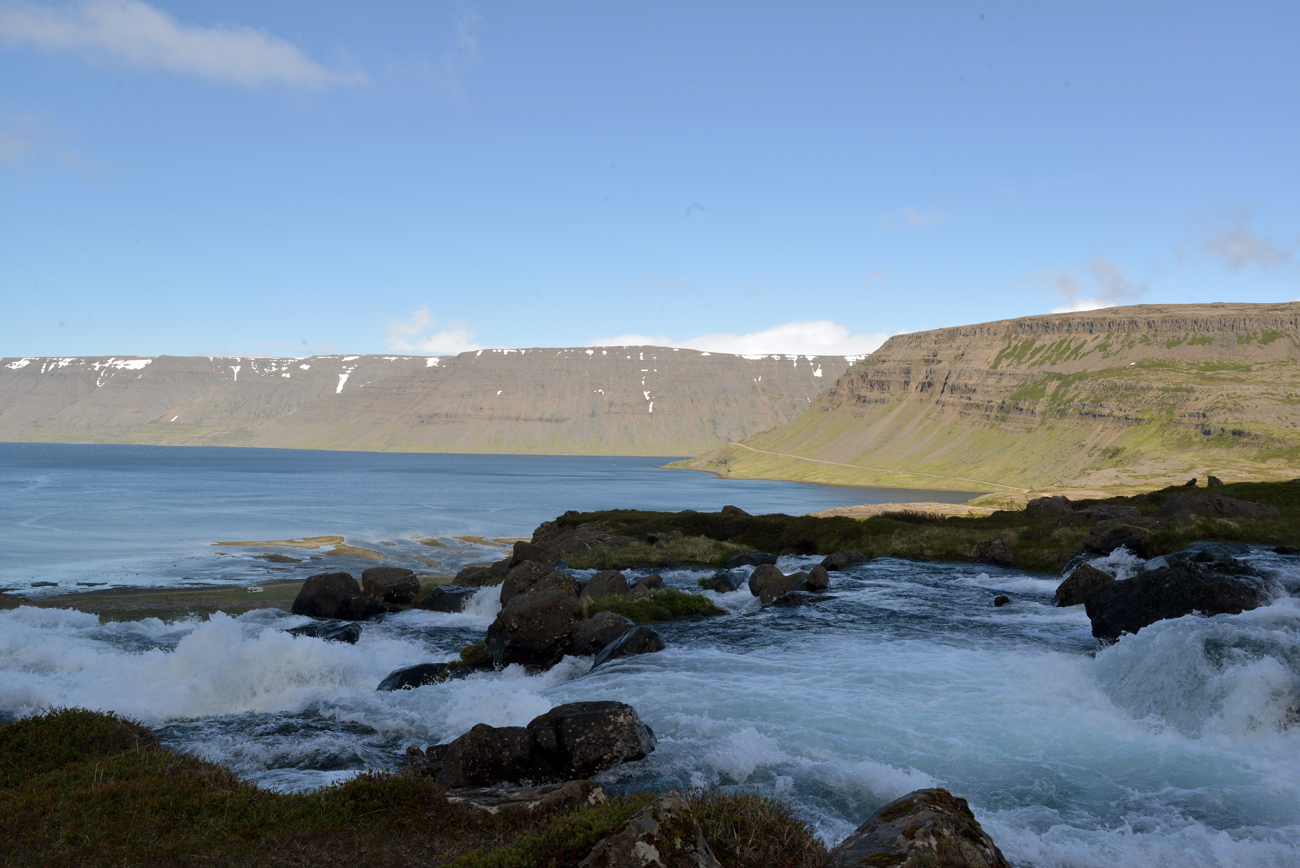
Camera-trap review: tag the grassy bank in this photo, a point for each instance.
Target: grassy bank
(1037, 543)
(86, 788)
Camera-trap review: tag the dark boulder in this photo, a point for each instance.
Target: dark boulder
(607, 583)
(393, 585)
(594, 633)
(527, 551)
(1205, 552)
(362, 607)
(750, 559)
(580, 739)
(923, 828)
(330, 631)
(1191, 483)
(1108, 536)
(638, 640)
(767, 582)
(411, 677)
(534, 628)
(1083, 581)
(841, 560)
(447, 599)
(663, 834)
(1213, 482)
(491, 755)
(723, 582)
(994, 551)
(1286, 550)
(818, 579)
(733, 510)
(1100, 512)
(790, 599)
(478, 575)
(1192, 503)
(533, 576)
(325, 595)
(1225, 586)
(1049, 507)
(653, 582)
(1001, 600)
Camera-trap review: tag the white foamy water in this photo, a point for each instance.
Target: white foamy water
(1176, 746)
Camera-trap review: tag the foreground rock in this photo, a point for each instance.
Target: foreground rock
(535, 628)
(570, 741)
(394, 585)
(663, 835)
(331, 631)
(598, 631)
(769, 584)
(335, 595)
(447, 599)
(924, 829)
(1084, 581)
(638, 640)
(1182, 586)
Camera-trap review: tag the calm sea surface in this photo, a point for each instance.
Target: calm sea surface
(1174, 747)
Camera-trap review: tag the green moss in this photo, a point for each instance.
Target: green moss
(1199, 340)
(665, 604)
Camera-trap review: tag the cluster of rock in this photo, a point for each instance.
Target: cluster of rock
(772, 586)
(1206, 578)
(337, 595)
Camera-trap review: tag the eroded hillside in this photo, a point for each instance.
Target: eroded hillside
(602, 400)
(1099, 400)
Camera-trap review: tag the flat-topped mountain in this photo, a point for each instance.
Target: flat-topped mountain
(1147, 394)
(598, 400)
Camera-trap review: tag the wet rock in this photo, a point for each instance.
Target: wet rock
(1083, 581)
(411, 677)
(330, 631)
(663, 835)
(1049, 507)
(923, 828)
(535, 628)
(579, 739)
(607, 583)
(638, 640)
(723, 582)
(841, 560)
(1106, 537)
(393, 585)
(818, 579)
(447, 599)
(750, 559)
(479, 575)
(733, 510)
(527, 551)
(326, 595)
(767, 582)
(652, 582)
(548, 797)
(594, 633)
(1206, 552)
(532, 576)
(994, 551)
(1001, 600)
(362, 607)
(1225, 586)
(1100, 512)
(1192, 503)
(791, 599)
(490, 755)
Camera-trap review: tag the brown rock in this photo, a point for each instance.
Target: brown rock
(490, 755)
(580, 739)
(607, 583)
(1081, 584)
(594, 633)
(393, 585)
(534, 628)
(326, 595)
(1049, 507)
(767, 582)
(533, 576)
(818, 579)
(924, 829)
(733, 510)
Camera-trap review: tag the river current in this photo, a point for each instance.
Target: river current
(1176, 746)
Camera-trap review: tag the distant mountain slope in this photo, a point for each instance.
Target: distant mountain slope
(1093, 400)
(602, 400)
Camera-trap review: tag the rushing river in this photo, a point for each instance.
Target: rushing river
(1171, 747)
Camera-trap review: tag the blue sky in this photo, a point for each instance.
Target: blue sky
(293, 178)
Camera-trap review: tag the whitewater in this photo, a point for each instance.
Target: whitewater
(1176, 746)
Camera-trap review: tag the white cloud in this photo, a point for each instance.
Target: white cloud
(26, 137)
(1108, 287)
(134, 33)
(804, 337)
(416, 334)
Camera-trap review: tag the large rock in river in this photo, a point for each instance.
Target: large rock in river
(638, 640)
(767, 582)
(1183, 586)
(1084, 581)
(534, 628)
(393, 585)
(923, 829)
(533, 576)
(447, 599)
(602, 628)
(335, 595)
(491, 755)
(607, 583)
(583, 738)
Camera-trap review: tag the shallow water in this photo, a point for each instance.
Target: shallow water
(1170, 747)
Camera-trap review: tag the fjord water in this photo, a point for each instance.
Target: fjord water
(1172, 747)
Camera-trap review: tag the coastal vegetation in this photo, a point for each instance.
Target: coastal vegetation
(664, 604)
(83, 787)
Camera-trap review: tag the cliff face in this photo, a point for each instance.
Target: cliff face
(603, 400)
(1093, 400)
